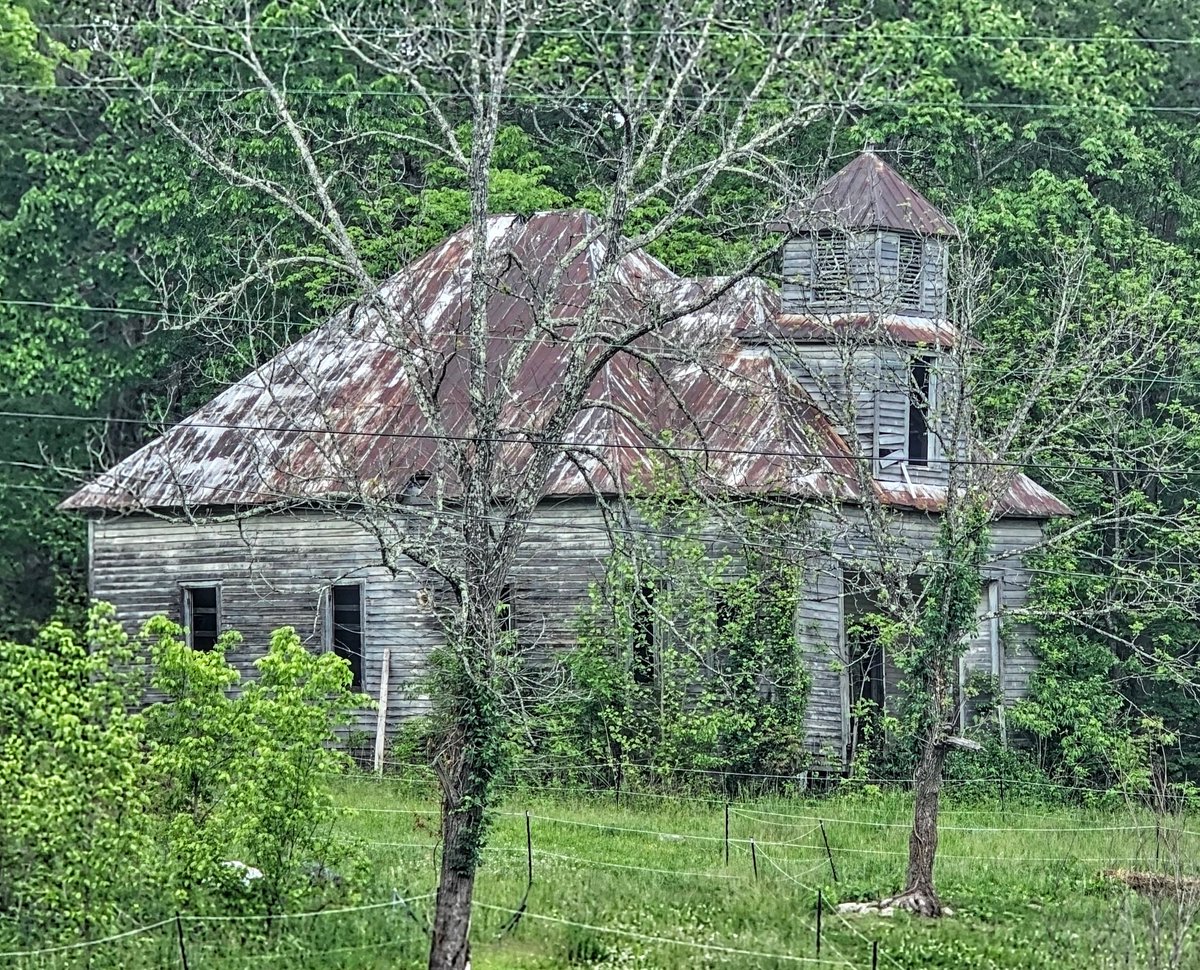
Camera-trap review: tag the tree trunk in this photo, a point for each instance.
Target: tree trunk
(462, 830)
(919, 894)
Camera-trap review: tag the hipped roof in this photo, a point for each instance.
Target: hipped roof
(869, 194)
(334, 415)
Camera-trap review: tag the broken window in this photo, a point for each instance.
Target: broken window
(201, 613)
(643, 655)
(831, 278)
(346, 629)
(919, 390)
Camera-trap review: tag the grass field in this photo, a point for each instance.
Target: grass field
(645, 884)
(612, 884)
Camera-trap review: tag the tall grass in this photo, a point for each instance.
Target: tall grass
(645, 883)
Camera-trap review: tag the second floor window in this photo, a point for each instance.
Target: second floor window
(919, 391)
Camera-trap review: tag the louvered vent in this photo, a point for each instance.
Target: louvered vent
(909, 283)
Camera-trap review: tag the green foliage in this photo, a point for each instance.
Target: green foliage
(72, 769)
(111, 815)
(687, 651)
(239, 768)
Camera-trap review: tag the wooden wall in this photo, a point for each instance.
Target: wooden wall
(821, 623)
(273, 571)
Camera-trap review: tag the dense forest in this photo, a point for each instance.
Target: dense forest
(1045, 130)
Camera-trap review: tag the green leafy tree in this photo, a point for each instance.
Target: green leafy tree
(687, 650)
(73, 833)
(239, 768)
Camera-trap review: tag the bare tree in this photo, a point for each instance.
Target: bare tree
(658, 104)
(986, 426)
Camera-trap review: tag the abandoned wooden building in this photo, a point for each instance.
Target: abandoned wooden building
(832, 389)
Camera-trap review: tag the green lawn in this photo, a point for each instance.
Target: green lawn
(645, 884)
(613, 885)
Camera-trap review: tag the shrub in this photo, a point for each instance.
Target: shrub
(241, 776)
(72, 823)
(687, 653)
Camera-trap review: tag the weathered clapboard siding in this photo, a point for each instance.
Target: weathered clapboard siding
(275, 570)
(822, 647)
(822, 621)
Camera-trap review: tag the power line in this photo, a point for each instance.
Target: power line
(523, 437)
(163, 313)
(716, 29)
(558, 101)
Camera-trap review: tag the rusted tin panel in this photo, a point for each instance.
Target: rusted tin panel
(868, 194)
(895, 328)
(335, 415)
(1022, 497)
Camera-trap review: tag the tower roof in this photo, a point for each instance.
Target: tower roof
(869, 194)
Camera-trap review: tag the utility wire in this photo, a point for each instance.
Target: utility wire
(527, 438)
(161, 312)
(557, 101)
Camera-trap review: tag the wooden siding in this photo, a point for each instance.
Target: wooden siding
(821, 627)
(274, 570)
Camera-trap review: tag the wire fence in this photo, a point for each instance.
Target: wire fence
(779, 845)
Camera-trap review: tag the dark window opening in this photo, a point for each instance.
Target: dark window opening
(201, 616)
(918, 411)
(867, 680)
(643, 649)
(910, 277)
(347, 638)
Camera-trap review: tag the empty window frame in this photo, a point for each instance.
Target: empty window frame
(643, 658)
(507, 611)
(910, 278)
(346, 628)
(201, 614)
(920, 390)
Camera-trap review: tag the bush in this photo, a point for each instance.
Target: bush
(687, 654)
(72, 814)
(241, 776)
(216, 795)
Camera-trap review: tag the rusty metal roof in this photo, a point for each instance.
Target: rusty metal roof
(869, 194)
(335, 416)
(905, 329)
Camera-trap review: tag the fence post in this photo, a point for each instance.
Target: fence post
(381, 716)
(182, 946)
(820, 907)
(529, 846)
(875, 955)
(754, 859)
(727, 833)
(828, 851)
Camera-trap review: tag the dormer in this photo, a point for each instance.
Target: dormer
(863, 321)
(868, 242)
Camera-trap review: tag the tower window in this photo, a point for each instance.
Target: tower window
(831, 281)
(920, 382)
(910, 278)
